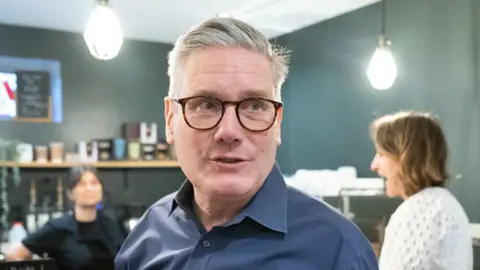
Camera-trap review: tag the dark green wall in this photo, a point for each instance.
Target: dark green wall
(329, 102)
(129, 88)
(98, 96)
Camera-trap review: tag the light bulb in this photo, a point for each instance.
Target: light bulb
(382, 70)
(103, 34)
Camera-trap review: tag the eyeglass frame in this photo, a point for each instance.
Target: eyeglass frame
(183, 101)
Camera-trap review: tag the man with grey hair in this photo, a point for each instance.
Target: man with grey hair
(234, 211)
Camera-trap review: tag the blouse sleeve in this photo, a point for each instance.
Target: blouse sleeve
(411, 237)
(47, 239)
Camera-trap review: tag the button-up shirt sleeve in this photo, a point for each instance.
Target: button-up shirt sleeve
(137, 248)
(356, 258)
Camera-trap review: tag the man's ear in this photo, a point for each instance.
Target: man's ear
(278, 133)
(169, 113)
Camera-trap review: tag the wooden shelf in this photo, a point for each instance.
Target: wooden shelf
(100, 164)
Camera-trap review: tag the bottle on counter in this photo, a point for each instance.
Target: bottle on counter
(32, 213)
(31, 219)
(43, 215)
(58, 211)
(17, 233)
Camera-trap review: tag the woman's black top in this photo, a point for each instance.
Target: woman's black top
(78, 245)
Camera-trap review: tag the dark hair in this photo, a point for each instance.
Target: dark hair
(417, 141)
(76, 174)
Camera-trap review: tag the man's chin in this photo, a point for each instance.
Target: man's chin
(230, 186)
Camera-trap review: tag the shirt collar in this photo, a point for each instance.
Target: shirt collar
(268, 207)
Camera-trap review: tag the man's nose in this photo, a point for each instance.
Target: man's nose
(229, 129)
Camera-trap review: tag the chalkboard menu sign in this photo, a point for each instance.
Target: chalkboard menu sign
(33, 94)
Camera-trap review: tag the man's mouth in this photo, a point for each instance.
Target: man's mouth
(228, 160)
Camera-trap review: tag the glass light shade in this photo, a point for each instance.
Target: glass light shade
(103, 34)
(382, 70)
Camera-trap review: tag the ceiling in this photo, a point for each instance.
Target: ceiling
(164, 21)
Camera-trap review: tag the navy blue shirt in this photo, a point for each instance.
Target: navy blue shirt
(280, 228)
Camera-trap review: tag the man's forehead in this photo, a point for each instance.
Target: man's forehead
(238, 70)
(227, 60)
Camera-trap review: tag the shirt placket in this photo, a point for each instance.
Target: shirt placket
(203, 252)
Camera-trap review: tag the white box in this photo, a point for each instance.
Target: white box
(148, 133)
(88, 152)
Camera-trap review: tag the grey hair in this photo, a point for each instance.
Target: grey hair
(225, 32)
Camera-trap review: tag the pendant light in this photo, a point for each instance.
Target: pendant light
(103, 34)
(382, 70)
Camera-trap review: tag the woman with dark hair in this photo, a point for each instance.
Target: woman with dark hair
(430, 229)
(87, 239)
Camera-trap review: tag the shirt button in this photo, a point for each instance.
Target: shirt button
(206, 243)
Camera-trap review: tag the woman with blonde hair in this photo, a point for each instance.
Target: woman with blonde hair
(430, 229)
